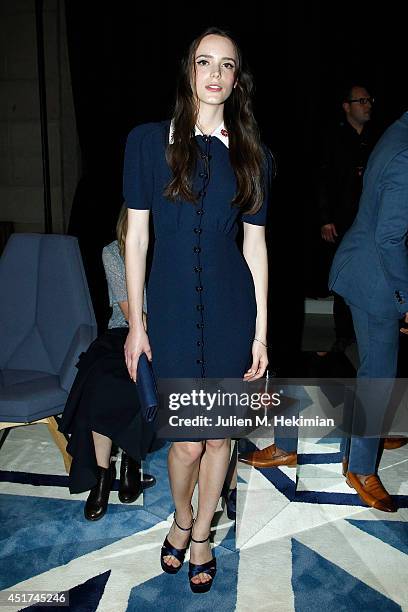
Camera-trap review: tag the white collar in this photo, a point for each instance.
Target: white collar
(220, 132)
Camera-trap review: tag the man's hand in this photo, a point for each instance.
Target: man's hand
(404, 330)
(328, 232)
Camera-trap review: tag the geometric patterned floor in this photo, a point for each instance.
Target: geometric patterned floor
(304, 542)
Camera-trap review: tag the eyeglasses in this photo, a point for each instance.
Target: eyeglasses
(362, 101)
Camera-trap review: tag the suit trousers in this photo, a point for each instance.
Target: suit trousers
(285, 438)
(377, 340)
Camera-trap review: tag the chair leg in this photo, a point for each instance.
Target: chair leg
(61, 441)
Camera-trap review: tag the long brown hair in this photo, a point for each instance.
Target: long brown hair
(121, 229)
(245, 148)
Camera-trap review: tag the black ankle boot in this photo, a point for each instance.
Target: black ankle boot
(97, 502)
(130, 486)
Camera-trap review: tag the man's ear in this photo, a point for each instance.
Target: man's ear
(346, 107)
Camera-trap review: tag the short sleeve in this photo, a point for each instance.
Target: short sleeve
(260, 217)
(138, 168)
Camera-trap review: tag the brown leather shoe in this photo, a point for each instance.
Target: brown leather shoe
(266, 458)
(371, 492)
(392, 443)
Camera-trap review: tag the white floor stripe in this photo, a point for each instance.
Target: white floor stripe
(297, 518)
(264, 578)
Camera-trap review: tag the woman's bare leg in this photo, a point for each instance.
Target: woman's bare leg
(103, 448)
(183, 465)
(213, 469)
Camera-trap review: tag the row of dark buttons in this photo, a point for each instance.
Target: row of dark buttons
(197, 249)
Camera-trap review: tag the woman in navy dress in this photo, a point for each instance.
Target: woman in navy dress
(199, 176)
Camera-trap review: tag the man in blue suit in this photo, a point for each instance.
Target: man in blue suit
(370, 270)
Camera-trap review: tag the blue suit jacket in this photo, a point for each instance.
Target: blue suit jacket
(370, 268)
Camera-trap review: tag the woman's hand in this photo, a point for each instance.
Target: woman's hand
(259, 361)
(137, 342)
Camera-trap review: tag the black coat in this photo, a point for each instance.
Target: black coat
(340, 179)
(103, 399)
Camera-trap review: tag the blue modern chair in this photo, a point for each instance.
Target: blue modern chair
(46, 321)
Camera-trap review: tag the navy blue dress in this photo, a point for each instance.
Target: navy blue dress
(200, 295)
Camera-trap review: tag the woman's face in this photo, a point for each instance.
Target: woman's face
(215, 69)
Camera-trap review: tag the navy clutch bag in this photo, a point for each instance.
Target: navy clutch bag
(146, 389)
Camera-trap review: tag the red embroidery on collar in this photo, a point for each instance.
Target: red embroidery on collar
(224, 132)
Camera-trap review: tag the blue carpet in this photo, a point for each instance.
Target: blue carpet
(319, 458)
(158, 499)
(42, 533)
(55, 532)
(321, 585)
(173, 594)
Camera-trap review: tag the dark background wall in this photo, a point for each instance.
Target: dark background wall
(21, 176)
(124, 63)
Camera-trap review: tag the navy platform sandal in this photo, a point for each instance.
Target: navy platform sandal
(178, 553)
(209, 568)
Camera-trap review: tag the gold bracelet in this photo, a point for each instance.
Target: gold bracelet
(265, 345)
